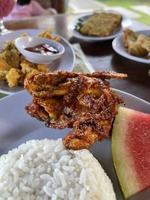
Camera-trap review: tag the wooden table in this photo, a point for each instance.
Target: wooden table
(100, 55)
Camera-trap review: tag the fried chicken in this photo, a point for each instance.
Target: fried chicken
(136, 44)
(84, 102)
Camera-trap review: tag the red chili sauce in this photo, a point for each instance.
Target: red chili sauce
(44, 49)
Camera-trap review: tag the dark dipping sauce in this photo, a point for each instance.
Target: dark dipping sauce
(44, 49)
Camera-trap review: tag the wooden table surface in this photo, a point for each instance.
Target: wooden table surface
(100, 54)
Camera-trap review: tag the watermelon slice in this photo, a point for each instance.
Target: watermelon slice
(131, 150)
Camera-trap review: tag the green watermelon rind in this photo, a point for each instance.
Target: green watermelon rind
(126, 176)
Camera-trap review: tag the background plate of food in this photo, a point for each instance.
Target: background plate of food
(133, 45)
(98, 26)
(14, 67)
(15, 130)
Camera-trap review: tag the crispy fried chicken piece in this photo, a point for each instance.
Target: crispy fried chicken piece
(83, 102)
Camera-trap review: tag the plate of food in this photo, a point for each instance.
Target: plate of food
(98, 26)
(133, 45)
(14, 67)
(53, 161)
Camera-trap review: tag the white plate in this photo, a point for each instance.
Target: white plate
(16, 127)
(80, 36)
(119, 48)
(66, 62)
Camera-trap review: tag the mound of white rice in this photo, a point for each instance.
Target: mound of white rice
(45, 170)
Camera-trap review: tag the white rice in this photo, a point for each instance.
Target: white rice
(45, 170)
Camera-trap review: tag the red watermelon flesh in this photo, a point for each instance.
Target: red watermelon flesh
(131, 150)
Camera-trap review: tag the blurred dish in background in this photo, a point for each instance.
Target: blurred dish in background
(133, 45)
(98, 26)
(136, 44)
(14, 67)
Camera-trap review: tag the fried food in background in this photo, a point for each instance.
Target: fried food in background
(144, 41)
(136, 44)
(47, 34)
(11, 55)
(101, 24)
(84, 102)
(13, 66)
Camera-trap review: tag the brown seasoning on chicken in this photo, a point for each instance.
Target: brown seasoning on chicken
(84, 102)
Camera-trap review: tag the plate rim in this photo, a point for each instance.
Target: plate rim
(114, 89)
(131, 95)
(125, 54)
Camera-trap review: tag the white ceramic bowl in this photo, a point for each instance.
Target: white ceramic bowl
(24, 42)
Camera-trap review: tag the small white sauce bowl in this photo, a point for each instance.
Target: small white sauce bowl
(25, 42)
